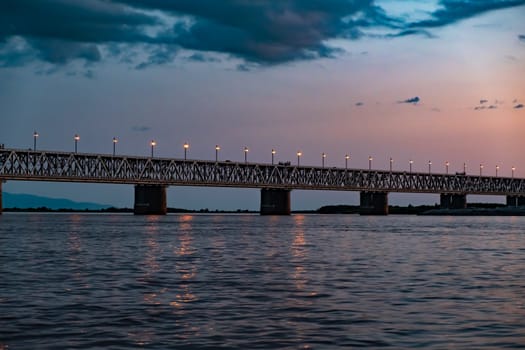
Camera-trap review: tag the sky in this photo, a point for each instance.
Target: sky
(409, 80)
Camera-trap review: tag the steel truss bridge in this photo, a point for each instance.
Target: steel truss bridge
(27, 165)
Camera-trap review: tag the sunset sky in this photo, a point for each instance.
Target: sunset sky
(421, 80)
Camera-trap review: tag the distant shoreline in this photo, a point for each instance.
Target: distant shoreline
(474, 209)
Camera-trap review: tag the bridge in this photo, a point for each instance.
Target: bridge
(151, 176)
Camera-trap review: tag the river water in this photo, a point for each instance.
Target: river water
(100, 281)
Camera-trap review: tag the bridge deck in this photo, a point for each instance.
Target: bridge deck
(30, 165)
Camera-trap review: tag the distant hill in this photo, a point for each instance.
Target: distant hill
(23, 201)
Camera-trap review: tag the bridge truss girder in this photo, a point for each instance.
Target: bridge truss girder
(97, 168)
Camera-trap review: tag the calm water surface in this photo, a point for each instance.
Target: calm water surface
(80, 281)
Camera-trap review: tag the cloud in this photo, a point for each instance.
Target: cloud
(521, 37)
(140, 128)
(155, 32)
(359, 104)
(492, 107)
(483, 101)
(452, 11)
(414, 100)
(518, 106)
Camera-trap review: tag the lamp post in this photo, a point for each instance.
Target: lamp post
(153, 143)
(391, 162)
(186, 146)
(273, 155)
(115, 140)
(76, 138)
(370, 162)
(217, 148)
(246, 150)
(465, 168)
(446, 166)
(497, 168)
(480, 169)
(323, 156)
(410, 162)
(513, 168)
(299, 154)
(35, 136)
(429, 167)
(347, 157)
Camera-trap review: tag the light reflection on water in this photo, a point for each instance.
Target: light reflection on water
(244, 281)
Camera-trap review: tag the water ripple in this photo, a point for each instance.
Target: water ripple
(250, 282)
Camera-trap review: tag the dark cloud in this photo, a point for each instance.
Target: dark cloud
(521, 37)
(413, 100)
(452, 11)
(359, 104)
(483, 101)
(492, 107)
(260, 32)
(518, 106)
(140, 128)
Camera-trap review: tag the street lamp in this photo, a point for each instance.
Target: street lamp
(446, 166)
(480, 169)
(153, 143)
(429, 167)
(35, 135)
(347, 157)
(76, 138)
(323, 156)
(217, 148)
(370, 162)
(513, 168)
(497, 168)
(273, 154)
(186, 146)
(391, 162)
(410, 162)
(115, 140)
(464, 168)
(299, 154)
(246, 150)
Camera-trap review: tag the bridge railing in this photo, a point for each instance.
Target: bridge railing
(83, 167)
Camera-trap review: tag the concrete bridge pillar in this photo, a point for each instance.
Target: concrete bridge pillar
(275, 201)
(373, 203)
(1, 207)
(150, 200)
(515, 201)
(453, 201)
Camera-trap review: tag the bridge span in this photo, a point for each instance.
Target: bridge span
(151, 176)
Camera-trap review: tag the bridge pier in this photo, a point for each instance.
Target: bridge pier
(1, 207)
(515, 201)
(453, 201)
(373, 203)
(150, 200)
(275, 201)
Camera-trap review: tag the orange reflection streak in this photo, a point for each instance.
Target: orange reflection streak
(150, 260)
(299, 253)
(74, 244)
(185, 267)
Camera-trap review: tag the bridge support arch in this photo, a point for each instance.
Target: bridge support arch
(150, 200)
(275, 201)
(453, 201)
(515, 201)
(373, 203)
